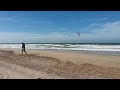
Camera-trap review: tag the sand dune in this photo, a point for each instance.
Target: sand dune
(43, 65)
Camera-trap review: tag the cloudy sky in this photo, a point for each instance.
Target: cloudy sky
(59, 26)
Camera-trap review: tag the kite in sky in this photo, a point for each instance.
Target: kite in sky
(78, 34)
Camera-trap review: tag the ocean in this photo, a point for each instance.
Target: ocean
(104, 48)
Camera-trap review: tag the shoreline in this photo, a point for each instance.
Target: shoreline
(112, 53)
(112, 49)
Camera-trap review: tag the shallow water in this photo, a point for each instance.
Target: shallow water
(94, 48)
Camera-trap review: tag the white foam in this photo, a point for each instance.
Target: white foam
(86, 47)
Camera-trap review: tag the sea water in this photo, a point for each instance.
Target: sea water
(111, 48)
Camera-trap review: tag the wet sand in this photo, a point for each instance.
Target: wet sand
(57, 64)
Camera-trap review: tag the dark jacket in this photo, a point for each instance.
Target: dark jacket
(23, 45)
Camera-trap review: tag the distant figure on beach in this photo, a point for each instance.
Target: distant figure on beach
(23, 48)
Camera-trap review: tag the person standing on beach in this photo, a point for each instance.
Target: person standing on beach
(23, 48)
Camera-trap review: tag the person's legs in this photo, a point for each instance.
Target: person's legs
(25, 51)
(22, 51)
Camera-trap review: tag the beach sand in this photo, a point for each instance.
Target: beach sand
(57, 64)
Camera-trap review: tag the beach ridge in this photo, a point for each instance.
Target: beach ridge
(43, 65)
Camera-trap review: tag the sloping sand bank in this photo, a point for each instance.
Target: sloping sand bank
(57, 65)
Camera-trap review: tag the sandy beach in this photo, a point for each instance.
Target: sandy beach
(57, 64)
